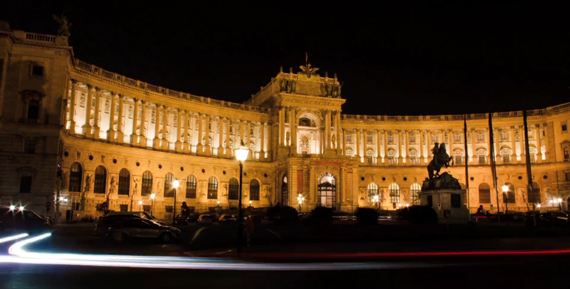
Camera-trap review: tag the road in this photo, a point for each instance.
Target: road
(484, 263)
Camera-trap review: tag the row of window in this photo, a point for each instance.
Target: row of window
(124, 184)
(393, 193)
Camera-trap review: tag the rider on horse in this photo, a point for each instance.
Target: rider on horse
(440, 159)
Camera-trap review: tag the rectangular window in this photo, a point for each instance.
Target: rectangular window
(412, 139)
(26, 184)
(506, 158)
(33, 110)
(564, 127)
(567, 177)
(348, 138)
(482, 159)
(124, 208)
(457, 138)
(455, 200)
(504, 136)
(390, 139)
(369, 138)
(458, 160)
(30, 146)
(77, 205)
(37, 70)
(480, 137)
(169, 209)
(146, 208)
(434, 138)
(566, 153)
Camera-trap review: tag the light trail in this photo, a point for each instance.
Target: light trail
(12, 238)
(19, 255)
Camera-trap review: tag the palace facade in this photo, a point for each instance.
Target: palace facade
(76, 137)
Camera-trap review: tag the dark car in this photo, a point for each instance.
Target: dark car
(20, 220)
(547, 219)
(103, 224)
(143, 228)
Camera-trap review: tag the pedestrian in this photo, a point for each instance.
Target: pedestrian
(249, 228)
(481, 210)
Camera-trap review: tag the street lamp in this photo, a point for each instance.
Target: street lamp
(241, 156)
(175, 184)
(506, 193)
(376, 200)
(152, 197)
(300, 199)
(140, 205)
(560, 204)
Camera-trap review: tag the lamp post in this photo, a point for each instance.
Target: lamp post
(152, 197)
(140, 205)
(300, 199)
(241, 156)
(175, 184)
(560, 204)
(505, 189)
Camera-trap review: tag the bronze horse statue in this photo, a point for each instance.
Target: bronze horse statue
(440, 159)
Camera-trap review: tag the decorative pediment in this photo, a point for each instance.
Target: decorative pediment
(30, 94)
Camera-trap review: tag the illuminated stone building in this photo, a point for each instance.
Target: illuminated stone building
(119, 140)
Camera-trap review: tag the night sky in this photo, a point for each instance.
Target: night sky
(398, 60)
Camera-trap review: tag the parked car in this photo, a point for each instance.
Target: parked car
(19, 220)
(557, 218)
(143, 228)
(227, 218)
(103, 224)
(205, 219)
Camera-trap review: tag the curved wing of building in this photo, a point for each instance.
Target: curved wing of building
(79, 139)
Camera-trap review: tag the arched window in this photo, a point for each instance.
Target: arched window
(509, 196)
(168, 188)
(534, 195)
(484, 193)
(233, 189)
(100, 180)
(124, 182)
(394, 190)
(415, 189)
(191, 187)
(254, 190)
(146, 189)
(212, 188)
(372, 192)
(506, 155)
(75, 178)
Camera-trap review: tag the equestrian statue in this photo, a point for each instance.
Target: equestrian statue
(440, 159)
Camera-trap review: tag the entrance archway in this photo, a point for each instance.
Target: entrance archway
(326, 191)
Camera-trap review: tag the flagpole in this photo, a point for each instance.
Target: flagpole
(493, 167)
(466, 168)
(527, 154)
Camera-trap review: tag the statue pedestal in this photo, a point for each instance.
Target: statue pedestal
(449, 204)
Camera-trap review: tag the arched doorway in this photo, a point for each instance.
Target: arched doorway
(326, 195)
(284, 191)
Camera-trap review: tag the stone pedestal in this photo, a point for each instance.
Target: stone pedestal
(448, 203)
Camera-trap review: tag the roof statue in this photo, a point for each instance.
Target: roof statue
(64, 25)
(307, 69)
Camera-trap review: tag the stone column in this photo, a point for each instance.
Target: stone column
(241, 128)
(96, 128)
(220, 137)
(385, 144)
(228, 148)
(473, 145)
(343, 144)
(337, 129)
(248, 139)
(72, 106)
(421, 150)
(545, 141)
(156, 140)
(327, 129)
(207, 147)
(513, 145)
(86, 128)
(143, 125)
(178, 144)
(378, 147)
(293, 126)
(165, 133)
(262, 141)
(134, 134)
(200, 148)
(187, 140)
(358, 144)
(407, 146)
(282, 126)
(538, 144)
(111, 130)
(120, 134)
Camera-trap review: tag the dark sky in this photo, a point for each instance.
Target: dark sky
(408, 59)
